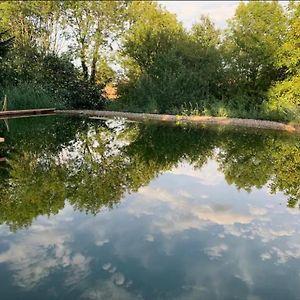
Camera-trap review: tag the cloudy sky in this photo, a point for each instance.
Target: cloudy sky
(189, 11)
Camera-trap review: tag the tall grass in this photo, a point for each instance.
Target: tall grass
(233, 109)
(28, 96)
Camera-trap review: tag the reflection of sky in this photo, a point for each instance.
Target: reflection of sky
(188, 235)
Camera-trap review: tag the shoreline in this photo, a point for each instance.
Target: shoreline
(263, 124)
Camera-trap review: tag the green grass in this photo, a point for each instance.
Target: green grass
(28, 96)
(217, 109)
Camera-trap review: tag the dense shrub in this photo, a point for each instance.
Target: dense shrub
(56, 76)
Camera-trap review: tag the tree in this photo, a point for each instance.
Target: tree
(91, 27)
(254, 35)
(152, 31)
(33, 23)
(173, 67)
(284, 96)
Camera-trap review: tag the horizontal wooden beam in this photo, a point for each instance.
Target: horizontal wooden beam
(27, 112)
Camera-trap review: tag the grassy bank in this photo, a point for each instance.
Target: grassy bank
(27, 96)
(216, 108)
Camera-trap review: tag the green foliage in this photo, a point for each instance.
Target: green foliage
(90, 28)
(249, 70)
(172, 66)
(32, 23)
(56, 75)
(254, 35)
(36, 58)
(204, 72)
(284, 96)
(284, 99)
(105, 73)
(151, 34)
(5, 44)
(26, 96)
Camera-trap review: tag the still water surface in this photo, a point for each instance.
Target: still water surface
(94, 209)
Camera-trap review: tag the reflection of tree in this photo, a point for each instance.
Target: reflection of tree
(32, 190)
(93, 165)
(287, 171)
(245, 159)
(254, 159)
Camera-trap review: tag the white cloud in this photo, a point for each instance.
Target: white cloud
(189, 12)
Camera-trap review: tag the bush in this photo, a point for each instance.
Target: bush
(284, 100)
(47, 76)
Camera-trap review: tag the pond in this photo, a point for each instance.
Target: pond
(108, 209)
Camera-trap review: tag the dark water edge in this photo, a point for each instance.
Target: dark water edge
(95, 209)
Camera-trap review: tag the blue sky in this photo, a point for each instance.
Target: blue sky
(190, 11)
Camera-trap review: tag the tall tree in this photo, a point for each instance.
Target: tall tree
(206, 57)
(33, 23)
(91, 28)
(152, 31)
(254, 35)
(285, 95)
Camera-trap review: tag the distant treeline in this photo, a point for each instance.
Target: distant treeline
(68, 51)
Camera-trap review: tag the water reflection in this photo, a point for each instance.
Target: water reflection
(114, 210)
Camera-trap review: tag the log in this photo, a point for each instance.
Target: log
(27, 112)
(263, 124)
(2, 140)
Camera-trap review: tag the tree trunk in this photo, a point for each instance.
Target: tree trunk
(95, 56)
(83, 63)
(94, 66)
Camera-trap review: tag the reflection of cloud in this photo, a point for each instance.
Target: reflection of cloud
(266, 256)
(109, 289)
(283, 255)
(257, 230)
(118, 278)
(258, 211)
(43, 250)
(208, 175)
(101, 242)
(216, 251)
(149, 238)
(113, 288)
(106, 266)
(80, 266)
(178, 214)
(4, 232)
